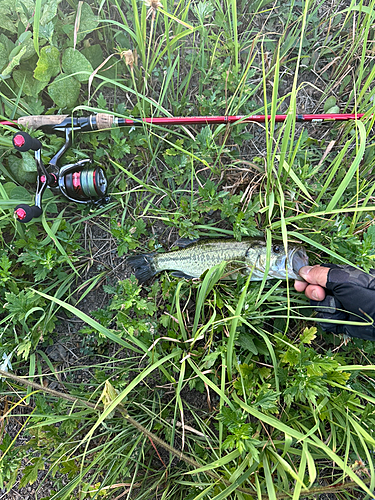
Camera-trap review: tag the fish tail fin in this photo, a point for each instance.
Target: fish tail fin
(143, 266)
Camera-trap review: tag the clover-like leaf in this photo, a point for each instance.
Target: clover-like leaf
(94, 55)
(49, 11)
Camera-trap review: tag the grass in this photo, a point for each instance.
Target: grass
(197, 390)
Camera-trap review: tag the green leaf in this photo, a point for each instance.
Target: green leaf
(14, 62)
(25, 80)
(3, 56)
(338, 377)
(89, 22)
(16, 167)
(31, 472)
(21, 42)
(330, 102)
(28, 162)
(291, 357)
(74, 62)
(247, 343)
(94, 55)
(333, 110)
(308, 335)
(20, 193)
(64, 91)
(49, 11)
(320, 366)
(6, 21)
(48, 64)
(266, 399)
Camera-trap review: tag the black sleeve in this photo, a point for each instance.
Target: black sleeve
(350, 297)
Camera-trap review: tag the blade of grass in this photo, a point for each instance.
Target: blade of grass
(271, 493)
(180, 407)
(36, 24)
(178, 311)
(322, 248)
(212, 276)
(223, 495)
(301, 474)
(211, 384)
(322, 214)
(233, 328)
(217, 463)
(353, 168)
(51, 233)
(94, 324)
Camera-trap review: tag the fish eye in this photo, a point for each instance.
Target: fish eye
(276, 249)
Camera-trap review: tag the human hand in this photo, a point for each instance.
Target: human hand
(315, 280)
(341, 292)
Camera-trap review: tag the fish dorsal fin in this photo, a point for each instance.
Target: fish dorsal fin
(184, 242)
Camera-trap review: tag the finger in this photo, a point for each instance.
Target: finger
(316, 275)
(315, 292)
(300, 286)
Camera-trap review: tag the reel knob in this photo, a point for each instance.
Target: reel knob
(24, 213)
(24, 142)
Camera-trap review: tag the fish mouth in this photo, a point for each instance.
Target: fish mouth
(298, 259)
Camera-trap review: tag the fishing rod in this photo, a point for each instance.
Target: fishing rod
(80, 182)
(101, 121)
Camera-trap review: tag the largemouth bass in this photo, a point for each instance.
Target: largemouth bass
(248, 256)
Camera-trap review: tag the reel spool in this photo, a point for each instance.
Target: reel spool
(82, 183)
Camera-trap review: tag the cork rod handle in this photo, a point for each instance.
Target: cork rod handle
(38, 121)
(103, 121)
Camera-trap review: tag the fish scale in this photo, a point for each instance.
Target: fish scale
(200, 256)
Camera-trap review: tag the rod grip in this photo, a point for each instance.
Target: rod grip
(37, 121)
(104, 121)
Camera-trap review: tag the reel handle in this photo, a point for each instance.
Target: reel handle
(24, 142)
(24, 213)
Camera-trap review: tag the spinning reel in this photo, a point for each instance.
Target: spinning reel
(79, 182)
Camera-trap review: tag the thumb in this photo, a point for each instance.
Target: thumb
(316, 275)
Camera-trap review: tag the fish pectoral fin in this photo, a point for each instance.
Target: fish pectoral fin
(180, 274)
(184, 242)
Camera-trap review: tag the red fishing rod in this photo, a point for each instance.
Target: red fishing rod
(81, 183)
(101, 121)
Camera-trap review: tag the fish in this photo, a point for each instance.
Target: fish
(248, 256)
